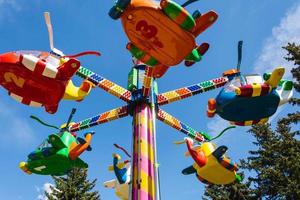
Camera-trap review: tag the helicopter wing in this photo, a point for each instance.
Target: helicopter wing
(110, 184)
(73, 92)
(204, 22)
(201, 49)
(189, 170)
(84, 144)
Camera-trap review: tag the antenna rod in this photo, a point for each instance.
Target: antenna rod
(240, 48)
(188, 3)
(70, 117)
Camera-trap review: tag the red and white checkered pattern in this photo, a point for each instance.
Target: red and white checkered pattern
(38, 66)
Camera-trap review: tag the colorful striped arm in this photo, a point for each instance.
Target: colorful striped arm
(182, 93)
(147, 82)
(105, 84)
(178, 125)
(100, 119)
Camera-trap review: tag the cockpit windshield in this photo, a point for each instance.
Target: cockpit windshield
(34, 53)
(237, 82)
(254, 79)
(234, 83)
(49, 58)
(45, 144)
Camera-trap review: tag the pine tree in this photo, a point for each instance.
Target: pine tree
(277, 160)
(73, 186)
(234, 191)
(294, 56)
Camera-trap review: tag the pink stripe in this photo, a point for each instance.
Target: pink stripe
(146, 133)
(143, 195)
(147, 137)
(146, 165)
(142, 131)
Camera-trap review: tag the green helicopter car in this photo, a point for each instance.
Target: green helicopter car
(58, 154)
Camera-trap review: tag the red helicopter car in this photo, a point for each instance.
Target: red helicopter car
(37, 78)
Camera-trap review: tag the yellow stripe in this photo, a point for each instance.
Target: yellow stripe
(172, 96)
(143, 120)
(147, 150)
(112, 115)
(238, 91)
(176, 123)
(116, 90)
(248, 123)
(168, 119)
(256, 90)
(150, 127)
(264, 120)
(147, 81)
(147, 184)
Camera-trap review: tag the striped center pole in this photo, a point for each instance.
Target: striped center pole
(144, 182)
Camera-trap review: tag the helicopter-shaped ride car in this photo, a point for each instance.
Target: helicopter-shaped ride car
(162, 35)
(211, 165)
(122, 172)
(38, 78)
(59, 153)
(250, 99)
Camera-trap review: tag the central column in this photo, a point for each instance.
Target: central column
(144, 177)
(144, 166)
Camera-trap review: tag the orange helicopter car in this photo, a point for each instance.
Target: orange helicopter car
(162, 34)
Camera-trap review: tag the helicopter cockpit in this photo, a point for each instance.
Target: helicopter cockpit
(44, 56)
(45, 144)
(42, 150)
(243, 80)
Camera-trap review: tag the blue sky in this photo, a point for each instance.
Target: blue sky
(264, 25)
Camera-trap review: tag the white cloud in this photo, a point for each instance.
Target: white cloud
(7, 8)
(276, 116)
(216, 125)
(42, 190)
(10, 3)
(272, 54)
(15, 130)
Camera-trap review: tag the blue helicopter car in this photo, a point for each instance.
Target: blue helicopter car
(250, 99)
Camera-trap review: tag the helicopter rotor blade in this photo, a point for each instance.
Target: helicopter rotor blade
(50, 29)
(240, 48)
(188, 2)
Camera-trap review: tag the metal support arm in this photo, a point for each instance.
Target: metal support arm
(100, 119)
(104, 84)
(178, 125)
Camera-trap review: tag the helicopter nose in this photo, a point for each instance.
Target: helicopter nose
(23, 166)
